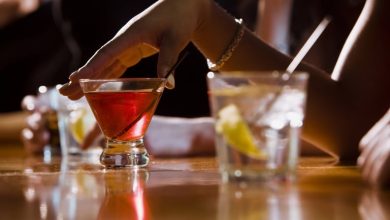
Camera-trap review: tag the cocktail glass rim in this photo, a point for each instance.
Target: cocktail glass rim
(123, 79)
(138, 156)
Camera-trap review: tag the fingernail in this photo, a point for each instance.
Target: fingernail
(170, 82)
(72, 75)
(63, 86)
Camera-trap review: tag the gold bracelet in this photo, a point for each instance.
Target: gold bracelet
(230, 49)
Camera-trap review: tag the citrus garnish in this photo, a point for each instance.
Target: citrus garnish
(79, 124)
(236, 132)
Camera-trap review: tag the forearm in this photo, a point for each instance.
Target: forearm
(332, 120)
(215, 33)
(217, 30)
(324, 95)
(273, 23)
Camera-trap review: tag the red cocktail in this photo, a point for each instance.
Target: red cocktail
(123, 109)
(133, 111)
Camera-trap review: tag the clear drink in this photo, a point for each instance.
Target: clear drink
(75, 120)
(258, 119)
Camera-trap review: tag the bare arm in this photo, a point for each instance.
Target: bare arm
(339, 110)
(273, 23)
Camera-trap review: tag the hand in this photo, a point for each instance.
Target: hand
(375, 156)
(166, 27)
(373, 205)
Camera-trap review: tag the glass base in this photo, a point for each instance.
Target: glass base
(258, 175)
(125, 154)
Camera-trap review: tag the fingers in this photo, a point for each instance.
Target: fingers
(170, 49)
(170, 82)
(101, 65)
(133, 55)
(375, 157)
(115, 70)
(368, 160)
(370, 166)
(104, 64)
(373, 133)
(375, 170)
(378, 175)
(384, 174)
(72, 90)
(141, 37)
(370, 206)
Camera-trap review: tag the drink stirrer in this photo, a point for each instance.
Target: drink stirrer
(296, 61)
(308, 44)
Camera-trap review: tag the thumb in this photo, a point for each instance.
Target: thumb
(170, 49)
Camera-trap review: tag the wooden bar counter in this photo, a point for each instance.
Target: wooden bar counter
(184, 188)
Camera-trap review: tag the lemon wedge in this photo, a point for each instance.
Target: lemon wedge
(236, 132)
(79, 124)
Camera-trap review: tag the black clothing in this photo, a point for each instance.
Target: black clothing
(46, 46)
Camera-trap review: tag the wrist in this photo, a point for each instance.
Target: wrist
(205, 8)
(214, 33)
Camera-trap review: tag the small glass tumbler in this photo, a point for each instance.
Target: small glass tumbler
(75, 120)
(258, 119)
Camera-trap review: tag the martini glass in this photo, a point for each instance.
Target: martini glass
(123, 108)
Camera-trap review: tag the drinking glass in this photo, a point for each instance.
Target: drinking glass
(123, 109)
(258, 118)
(75, 120)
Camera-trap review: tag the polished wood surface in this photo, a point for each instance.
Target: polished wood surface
(185, 188)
